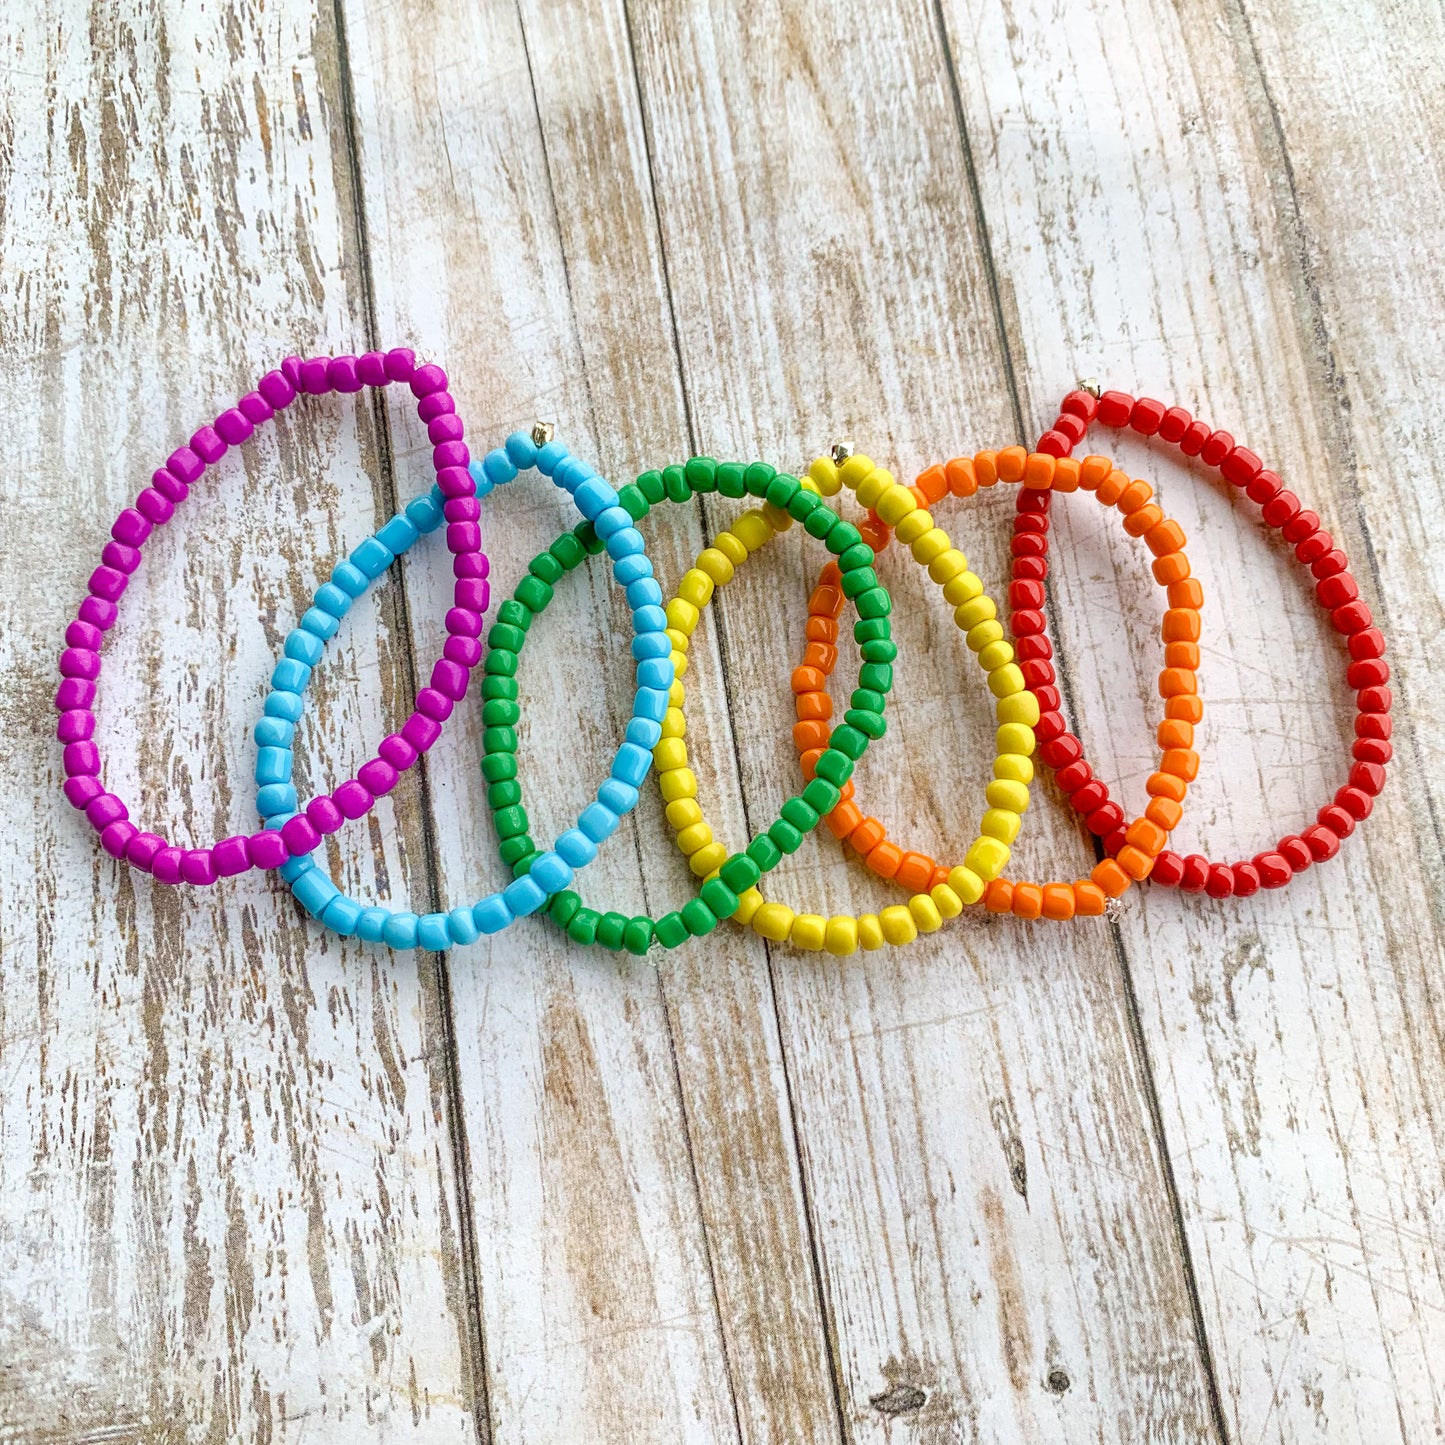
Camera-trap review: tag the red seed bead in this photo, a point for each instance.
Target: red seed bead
(1214, 451)
(1373, 725)
(1195, 435)
(1105, 819)
(1332, 562)
(1061, 751)
(1371, 672)
(1357, 803)
(1368, 778)
(1146, 416)
(1368, 642)
(1314, 546)
(1240, 466)
(1272, 869)
(1336, 590)
(1340, 822)
(1322, 842)
(1280, 509)
(1374, 699)
(1264, 487)
(1034, 647)
(1246, 880)
(1296, 852)
(1092, 795)
(1303, 524)
(1073, 427)
(1082, 404)
(1115, 408)
(1172, 426)
(1054, 444)
(1372, 750)
(1353, 617)
(1220, 881)
(1026, 624)
(1074, 776)
(1196, 873)
(1168, 868)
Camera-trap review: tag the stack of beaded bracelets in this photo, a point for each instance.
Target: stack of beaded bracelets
(1019, 676)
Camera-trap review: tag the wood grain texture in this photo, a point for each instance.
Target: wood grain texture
(226, 1199)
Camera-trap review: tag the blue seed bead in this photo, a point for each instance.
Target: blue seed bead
(598, 821)
(611, 520)
(492, 915)
(341, 915)
(273, 765)
(481, 482)
(650, 703)
(521, 450)
(425, 513)
(644, 593)
(576, 848)
(314, 890)
(286, 705)
(631, 764)
(350, 578)
(462, 926)
(290, 676)
(550, 872)
(497, 467)
(400, 930)
(432, 933)
(624, 542)
(645, 732)
(275, 799)
(303, 647)
(655, 672)
(273, 732)
(524, 895)
(593, 497)
(319, 624)
(628, 570)
(551, 457)
(398, 535)
(371, 926)
(652, 644)
(572, 473)
(649, 619)
(330, 598)
(372, 558)
(293, 868)
(617, 796)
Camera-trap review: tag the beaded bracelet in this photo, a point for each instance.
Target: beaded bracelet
(551, 870)
(170, 485)
(1367, 672)
(730, 882)
(894, 506)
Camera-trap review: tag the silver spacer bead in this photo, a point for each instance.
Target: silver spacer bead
(1091, 385)
(1114, 909)
(840, 452)
(542, 432)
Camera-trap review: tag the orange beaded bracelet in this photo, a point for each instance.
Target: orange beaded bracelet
(976, 879)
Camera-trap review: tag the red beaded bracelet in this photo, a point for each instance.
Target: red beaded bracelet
(1335, 589)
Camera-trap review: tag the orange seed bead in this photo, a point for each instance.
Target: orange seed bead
(1028, 900)
(1167, 785)
(1186, 593)
(1175, 733)
(1181, 624)
(1092, 471)
(1181, 762)
(962, 481)
(1090, 900)
(1171, 568)
(867, 836)
(1066, 474)
(915, 872)
(1147, 836)
(1057, 900)
(1165, 539)
(1186, 707)
(884, 859)
(844, 819)
(1165, 812)
(985, 468)
(998, 897)
(1010, 463)
(1133, 497)
(1039, 471)
(1109, 876)
(1182, 654)
(1134, 861)
(1112, 487)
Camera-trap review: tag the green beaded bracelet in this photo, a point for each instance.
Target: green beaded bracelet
(721, 894)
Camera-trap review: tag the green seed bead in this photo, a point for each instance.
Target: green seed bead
(699, 917)
(545, 568)
(879, 649)
(510, 822)
(859, 581)
(670, 930)
(834, 766)
(533, 592)
(800, 815)
(501, 660)
(867, 699)
(651, 486)
(781, 490)
(675, 480)
(564, 906)
(821, 794)
(523, 865)
(866, 722)
(500, 713)
(849, 741)
(877, 675)
(568, 550)
(804, 504)
(787, 838)
(764, 852)
(843, 536)
(636, 505)
(586, 533)
(582, 927)
(820, 522)
(515, 615)
(505, 794)
(860, 554)
(503, 634)
(611, 928)
(870, 629)
(637, 936)
(497, 767)
(730, 481)
(502, 687)
(701, 474)
(739, 873)
(513, 850)
(499, 740)
(873, 603)
(758, 477)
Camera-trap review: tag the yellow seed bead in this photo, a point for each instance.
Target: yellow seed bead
(773, 920)
(1005, 680)
(676, 782)
(716, 565)
(987, 858)
(809, 485)
(898, 925)
(873, 486)
(674, 723)
(1018, 707)
(670, 753)
(696, 587)
(679, 639)
(870, 932)
(809, 930)
(980, 636)
(854, 470)
(915, 525)
(679, 665)
(933, 543)
(924, 912)
(963, 588)
(1013, 768)
(1015, 738)
(699, 835)
(948, 565)
(675, 693)
(970, 614)
(948, 903)
(752, 530)
(777, 519)
(841, 935)
(683, 813)
(996, 654)
(895, 504)
(824, 472)
(1006, 793)
(681, 615)
(731, 548)
(713, 855)
(967, 884)
(748, 904)
(1000, 823)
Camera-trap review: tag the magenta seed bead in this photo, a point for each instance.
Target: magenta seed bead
(439, 403)
(465, 651)
(461, 509)
(473, 593)
(231, 856)
(276, 391)
(463, 537)
(341, 374)
(79, 662)
(82, 789)
(140, 852)
(170, 486)
(108, 583)
(463, 622)
(449, 679)
(98, 612)
(198, 867)
(255, 408)
(131, 528)
(323, 815)
(185, 464)
(83, 634)
(74, 692)
(101, 812)
(312, 375)
(456, 482)
(299, 835)
(234, 427)
(450, 454)
(166, 865)
(397, 751)
(76, 726)
(154, 507)
(353, 799)
(122, 558)
(446, 428)
(378, 777)
(267, 849)
(291, 370)
(208, 445)
(116, 838)
(400, 363)
(427, 379)
(471, 564)
(421, 731)
(81, 758)
(434, 704)
(371, 368)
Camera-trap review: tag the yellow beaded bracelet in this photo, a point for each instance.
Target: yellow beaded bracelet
(840, 934)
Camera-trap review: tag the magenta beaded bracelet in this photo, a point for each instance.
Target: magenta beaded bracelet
(170, 485)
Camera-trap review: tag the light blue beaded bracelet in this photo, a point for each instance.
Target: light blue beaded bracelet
(551, 871)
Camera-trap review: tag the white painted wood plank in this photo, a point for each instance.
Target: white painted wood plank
(225, 1194)
(1145, 231)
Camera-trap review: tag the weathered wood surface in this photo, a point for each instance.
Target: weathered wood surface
(1179, 1179)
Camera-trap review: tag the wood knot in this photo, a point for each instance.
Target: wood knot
(898, 1400)
(1057, 1381)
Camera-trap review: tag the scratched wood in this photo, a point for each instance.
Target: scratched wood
(226, 1181)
